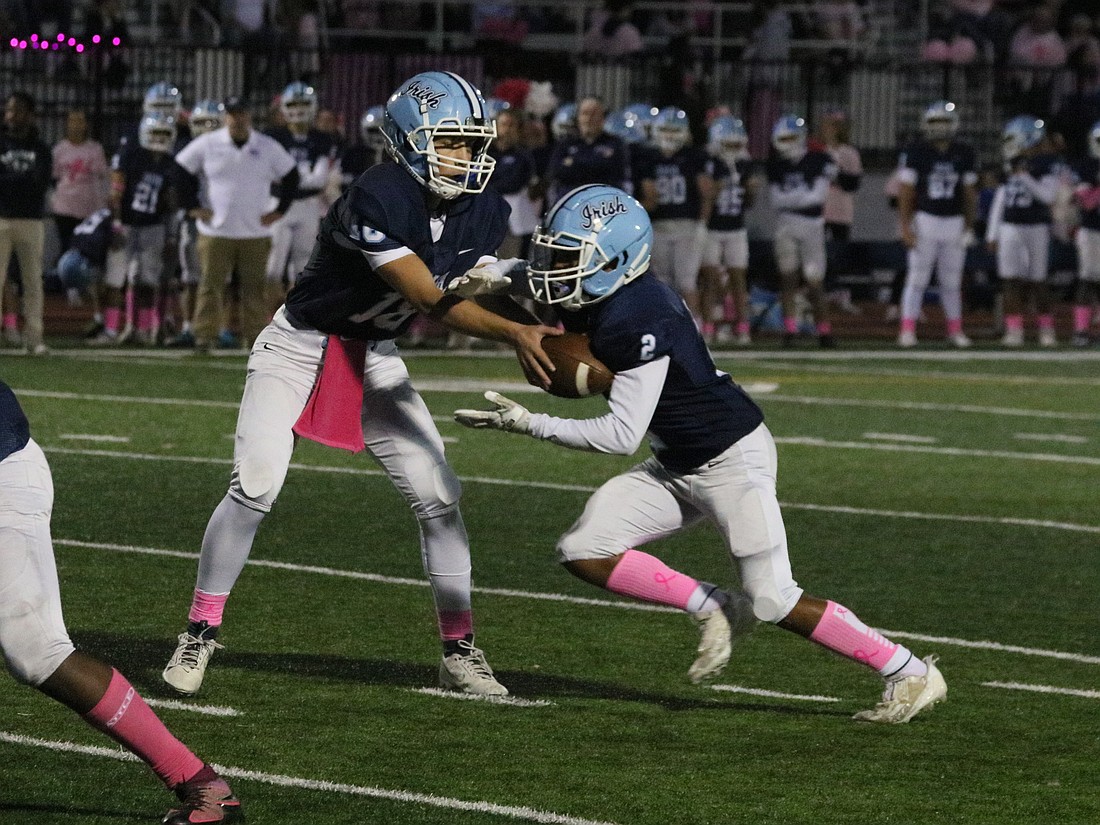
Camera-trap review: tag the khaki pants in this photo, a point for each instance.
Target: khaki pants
(218, 258)
(27, 236)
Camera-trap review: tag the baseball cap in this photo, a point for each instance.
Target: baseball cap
(235, 104)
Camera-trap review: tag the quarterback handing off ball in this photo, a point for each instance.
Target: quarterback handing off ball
(579, 373)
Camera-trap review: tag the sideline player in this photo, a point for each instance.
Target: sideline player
(937, 206)
(1087, 194)
(1019, 228)
(798, 183)
(314, 151)
(713, 458)
(385, 251)
(39, 653)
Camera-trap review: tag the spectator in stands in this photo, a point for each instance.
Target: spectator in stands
(498, 21)
(80, 176)
(612, 33)
(1082, 59)
(593, 156)
(1036, 52)
(839, 19)
(514, 177)
(25, 168)
(107, 20)
(769, 47)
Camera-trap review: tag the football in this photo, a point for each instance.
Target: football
(579, 373)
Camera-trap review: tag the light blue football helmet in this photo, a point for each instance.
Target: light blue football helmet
(940, 121)
(435, 106)
(207, 116)
(626, 127)
(1020, 134)
(157, 132)
(593, 240)
(74, 270)
(670, 130)
(727, 139)
(370, 128)
(162, 97)
(1094, 140)
(494, 106)
(564, 123)
(298, 103)
(789, 137)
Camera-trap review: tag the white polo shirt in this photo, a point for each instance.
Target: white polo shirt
(236, 182)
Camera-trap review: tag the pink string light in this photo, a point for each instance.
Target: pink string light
(63, 41)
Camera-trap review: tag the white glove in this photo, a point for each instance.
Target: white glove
(508, 415)
(487, 279)
(967, 240)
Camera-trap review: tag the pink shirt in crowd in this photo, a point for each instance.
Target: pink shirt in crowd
(80, 170)
(840, 206)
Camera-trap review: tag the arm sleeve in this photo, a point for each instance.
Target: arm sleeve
(996, 213)
(288, 187)
(633, 398)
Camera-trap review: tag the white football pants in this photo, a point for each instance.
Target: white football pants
(1022, 250)
(292, 239)
(735, 492)
(939, 246)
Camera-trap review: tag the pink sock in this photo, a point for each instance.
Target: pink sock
(909, 325)
(123, 715)
(111, 318)
(790, 325)
(824, 328)
(841, 631)
(11, 320)
(954, 326)
(207, 607)
(728, 311)
(742, 327)
(455, 624)
(145, 319)
(1014, 323)
(708, 328)
(1081, 318)
(1046, 321)
(646, 577)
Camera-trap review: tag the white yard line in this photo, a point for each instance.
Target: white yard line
(508, 811)
(1056, 437)
(923, 375)
(1084, 694)
(928, 406)
(914, 439)
(802, 697)
(110, 439)
(514, 701)
(205, 710)
(555, 597)
(807, 441)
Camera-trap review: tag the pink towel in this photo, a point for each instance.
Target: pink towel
(333, 412)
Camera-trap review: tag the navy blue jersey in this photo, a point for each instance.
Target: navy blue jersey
(306, 150)
(15, 432)
(1020, 204)
(801, 176)
(676, 180)
(1088, 173)
(354, 161)
(701, 411)
(26, 165)
(941, 177)
(385, 209)
(514, 171)
(729, 206)
(92, 236)
(575, 162)
(148, 178)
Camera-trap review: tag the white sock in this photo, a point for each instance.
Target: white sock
(705, 598)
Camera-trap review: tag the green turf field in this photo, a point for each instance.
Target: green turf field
(951, 501)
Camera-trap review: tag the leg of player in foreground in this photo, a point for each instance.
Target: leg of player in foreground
(400, 434)
(39, 653)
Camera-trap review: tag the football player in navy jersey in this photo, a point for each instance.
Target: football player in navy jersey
(146, 184)
(38, 651)
(679, 193)
(713, 457)
(315, 152)
(368, 151)
(1087, 195)
(589, 156)
(514, 177)
(724, 273)
(391, 245)
(1019, 228)
(937, 207)
(798, 183)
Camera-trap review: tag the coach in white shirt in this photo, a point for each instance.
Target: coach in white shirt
(236, 167)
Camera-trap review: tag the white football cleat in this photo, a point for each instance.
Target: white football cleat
(1013, 338)
(960, 340)
(468, 672)
(718, 630)
(187, 666)
(905, 698)
(1047, 338)
(907, 339)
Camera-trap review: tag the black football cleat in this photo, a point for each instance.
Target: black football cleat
(204, 798)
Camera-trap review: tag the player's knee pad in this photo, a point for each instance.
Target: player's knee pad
(581, 544)
(252, 484)
(434, 492)
(34, 644)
